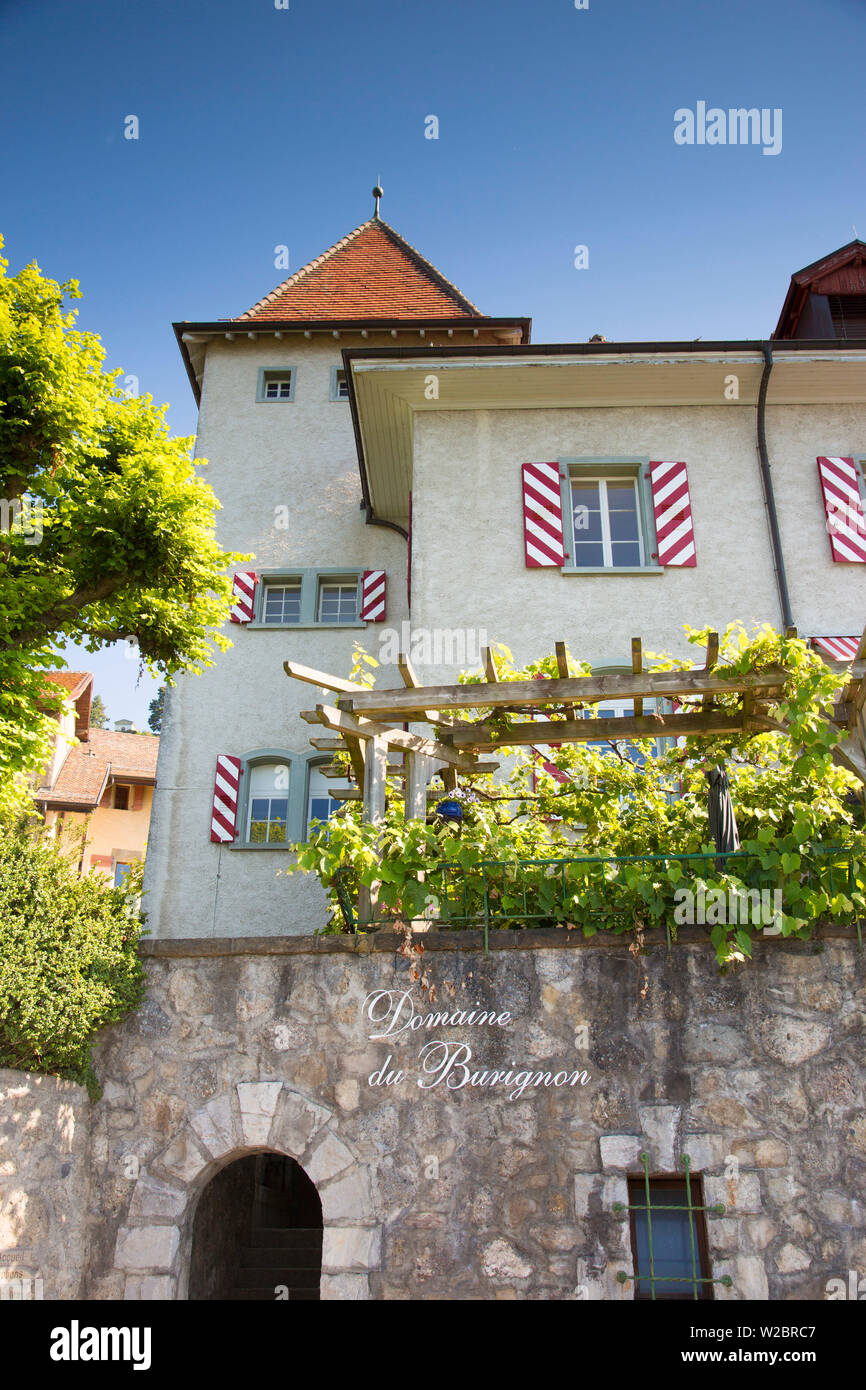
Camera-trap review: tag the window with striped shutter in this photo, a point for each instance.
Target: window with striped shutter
(843, 508)
(672, 509)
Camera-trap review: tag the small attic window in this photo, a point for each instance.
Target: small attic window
(339, 384)
(276, 384)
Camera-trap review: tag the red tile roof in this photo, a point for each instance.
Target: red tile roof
(126, 757)
(73, 681)
(371, 274)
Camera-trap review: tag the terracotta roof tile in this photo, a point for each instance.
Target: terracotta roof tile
(73, 681)
(371, 274)
(82, 776)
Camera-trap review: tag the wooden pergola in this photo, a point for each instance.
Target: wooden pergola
(369, 724)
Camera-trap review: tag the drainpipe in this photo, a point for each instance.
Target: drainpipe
(379, 521)
(769, 495)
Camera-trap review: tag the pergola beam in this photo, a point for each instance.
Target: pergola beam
(368, 730)
(582, 689)
(485, 736)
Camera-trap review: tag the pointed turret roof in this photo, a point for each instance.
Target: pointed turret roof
(373, 273)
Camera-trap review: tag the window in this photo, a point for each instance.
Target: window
(121, 798)
(282, 603)
(339, 385)
(669, 1239)
(321, 805)
(606, 519)
(276, 384)
(338, 601)
(268, 803)
(120, 873)
(308, 598)
(607, 514)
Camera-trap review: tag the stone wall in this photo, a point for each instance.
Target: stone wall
(431, 1192)
(44, 1185)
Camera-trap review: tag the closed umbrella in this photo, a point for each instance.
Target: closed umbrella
(720, 808)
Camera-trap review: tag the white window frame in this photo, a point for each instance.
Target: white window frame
(342, 584)
(601, 482)
(296, 586)
(278, 374)
(336, 374)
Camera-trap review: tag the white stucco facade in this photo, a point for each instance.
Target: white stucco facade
(287, 476)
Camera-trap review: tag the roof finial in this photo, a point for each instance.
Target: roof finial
(377, 194)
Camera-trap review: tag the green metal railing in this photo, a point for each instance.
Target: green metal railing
(694, 1280)
(519, 892)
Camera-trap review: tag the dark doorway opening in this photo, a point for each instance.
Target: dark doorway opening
(257, 1233)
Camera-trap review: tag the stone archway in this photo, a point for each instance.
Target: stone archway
(153, 1249)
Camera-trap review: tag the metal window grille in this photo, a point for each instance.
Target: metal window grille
(696, 1282)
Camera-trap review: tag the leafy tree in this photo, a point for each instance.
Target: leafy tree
(156, 710)
(98, 713)
(623, 803)
(69, 960)
(108, 531)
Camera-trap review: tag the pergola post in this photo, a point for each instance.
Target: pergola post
(417, 776)
(375, 771)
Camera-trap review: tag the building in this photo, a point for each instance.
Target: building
(97, 792)
(394, 457)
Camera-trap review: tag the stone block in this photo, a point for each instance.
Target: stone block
(706, 1151)
(792, 1040)
(258, 1101)
(750, 1279)
(500, 1260)
(298, 1120)
(620, 1150)
(713, 1042)
(150, 1248)
(738, 1195)
(214, 1124)
(153, 1198)
(345, 1288)
(792, 1260)
(159, 1287)
(347, 1197)
(329, 1157)
(350, 1247)
(182, 1158)
(659, 1124)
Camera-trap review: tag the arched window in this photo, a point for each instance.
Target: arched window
(268, 791)
(321, 805)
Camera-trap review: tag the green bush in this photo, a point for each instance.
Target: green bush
(69, 961)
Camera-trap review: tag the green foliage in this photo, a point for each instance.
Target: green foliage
(125, 544)
(68, 958)
(98, 713)
(155, 711)
(792, 805)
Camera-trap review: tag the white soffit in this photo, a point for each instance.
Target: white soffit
(389, 392)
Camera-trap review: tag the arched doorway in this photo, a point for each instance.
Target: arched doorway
(257, 1233)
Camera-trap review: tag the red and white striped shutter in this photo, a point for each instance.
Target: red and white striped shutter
(843, 509)
(672, 508)
(837, 648)
(542, 516)
(373, 596)
(244, 591)
(224, 818)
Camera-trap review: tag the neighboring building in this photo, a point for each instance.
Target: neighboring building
(97, 793)
(278, 1141)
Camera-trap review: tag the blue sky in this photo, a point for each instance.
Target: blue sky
(261, 127)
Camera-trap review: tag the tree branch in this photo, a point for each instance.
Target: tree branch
(54, 618)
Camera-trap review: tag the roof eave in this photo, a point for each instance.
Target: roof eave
(250, 328)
